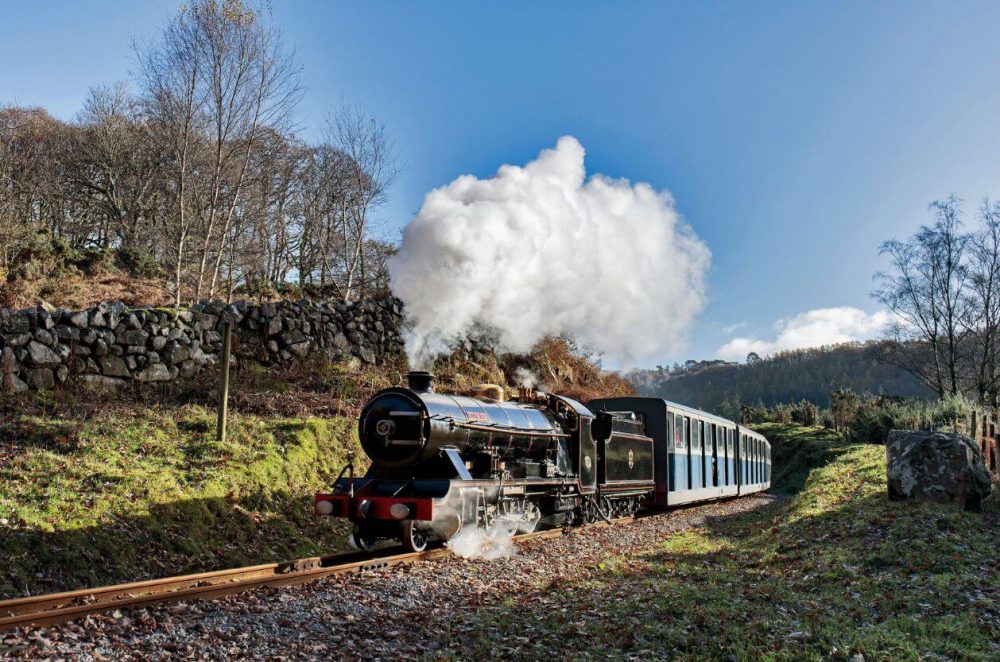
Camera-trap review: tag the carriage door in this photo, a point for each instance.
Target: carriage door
(703, 460)
(730, 463)
(714, 430)
(690, 451)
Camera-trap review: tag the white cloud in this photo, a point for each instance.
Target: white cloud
(733, 328)
(822, 326)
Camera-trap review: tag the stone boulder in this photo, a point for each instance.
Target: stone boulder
(936, 466)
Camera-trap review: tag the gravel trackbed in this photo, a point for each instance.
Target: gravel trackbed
(430, 609)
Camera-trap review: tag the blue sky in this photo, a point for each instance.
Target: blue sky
(794, 136)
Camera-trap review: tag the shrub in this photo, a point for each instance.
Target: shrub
(260, 288)
(42, 255)
(138, 262)
(95, 261)
(877, 415)
(805, 413)
(951, 408)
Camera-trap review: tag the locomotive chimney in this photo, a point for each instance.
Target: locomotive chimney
(420, 380)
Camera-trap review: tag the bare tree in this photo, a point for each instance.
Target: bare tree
(927, 290)
(248, 81)
(113, 165)
(983, 324)
(371, 167)
(170, 71)
(31, 197)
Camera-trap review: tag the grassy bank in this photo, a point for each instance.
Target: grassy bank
(830, 571)
(122, 495)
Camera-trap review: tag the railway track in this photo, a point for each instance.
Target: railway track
(55, 608)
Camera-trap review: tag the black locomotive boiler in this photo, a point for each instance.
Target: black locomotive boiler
(442, 463)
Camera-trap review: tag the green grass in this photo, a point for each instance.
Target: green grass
(833, 570)
(149, 492)
(797, 451)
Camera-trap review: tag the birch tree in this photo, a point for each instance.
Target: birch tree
(371, 170)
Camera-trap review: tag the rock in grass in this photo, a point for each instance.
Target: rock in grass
(936, 466)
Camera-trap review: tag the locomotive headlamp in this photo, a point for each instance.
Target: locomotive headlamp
(324, 507)
(399, 510)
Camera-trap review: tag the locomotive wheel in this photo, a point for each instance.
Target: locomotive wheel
(362, 539)
(593, 514)
(414, 538)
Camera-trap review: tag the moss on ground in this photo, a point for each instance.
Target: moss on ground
(89, 501)
(831, 571)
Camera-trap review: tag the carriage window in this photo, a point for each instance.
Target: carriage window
(729, 442)
(696, 435)
(680, 439)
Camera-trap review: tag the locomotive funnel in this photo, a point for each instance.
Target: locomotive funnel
(420, 380)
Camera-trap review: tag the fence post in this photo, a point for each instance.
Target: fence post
(227, 342)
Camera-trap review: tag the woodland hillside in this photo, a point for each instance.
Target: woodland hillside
(805, 374)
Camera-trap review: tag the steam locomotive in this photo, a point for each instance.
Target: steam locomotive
(443, 463)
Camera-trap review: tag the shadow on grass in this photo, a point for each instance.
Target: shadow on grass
(178, 537)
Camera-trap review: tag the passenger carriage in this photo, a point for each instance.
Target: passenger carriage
(698, 456)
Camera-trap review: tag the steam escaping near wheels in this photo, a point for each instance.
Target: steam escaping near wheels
(543, 249)
(494, 542)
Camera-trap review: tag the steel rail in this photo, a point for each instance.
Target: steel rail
(55, 608)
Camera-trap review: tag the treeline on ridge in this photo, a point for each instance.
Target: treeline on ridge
(786, 377)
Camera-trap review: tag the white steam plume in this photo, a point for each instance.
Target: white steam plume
(526, 378)
(543, 249)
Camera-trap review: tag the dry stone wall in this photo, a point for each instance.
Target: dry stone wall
(110, 344)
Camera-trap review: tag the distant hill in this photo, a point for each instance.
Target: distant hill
(805, 374)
